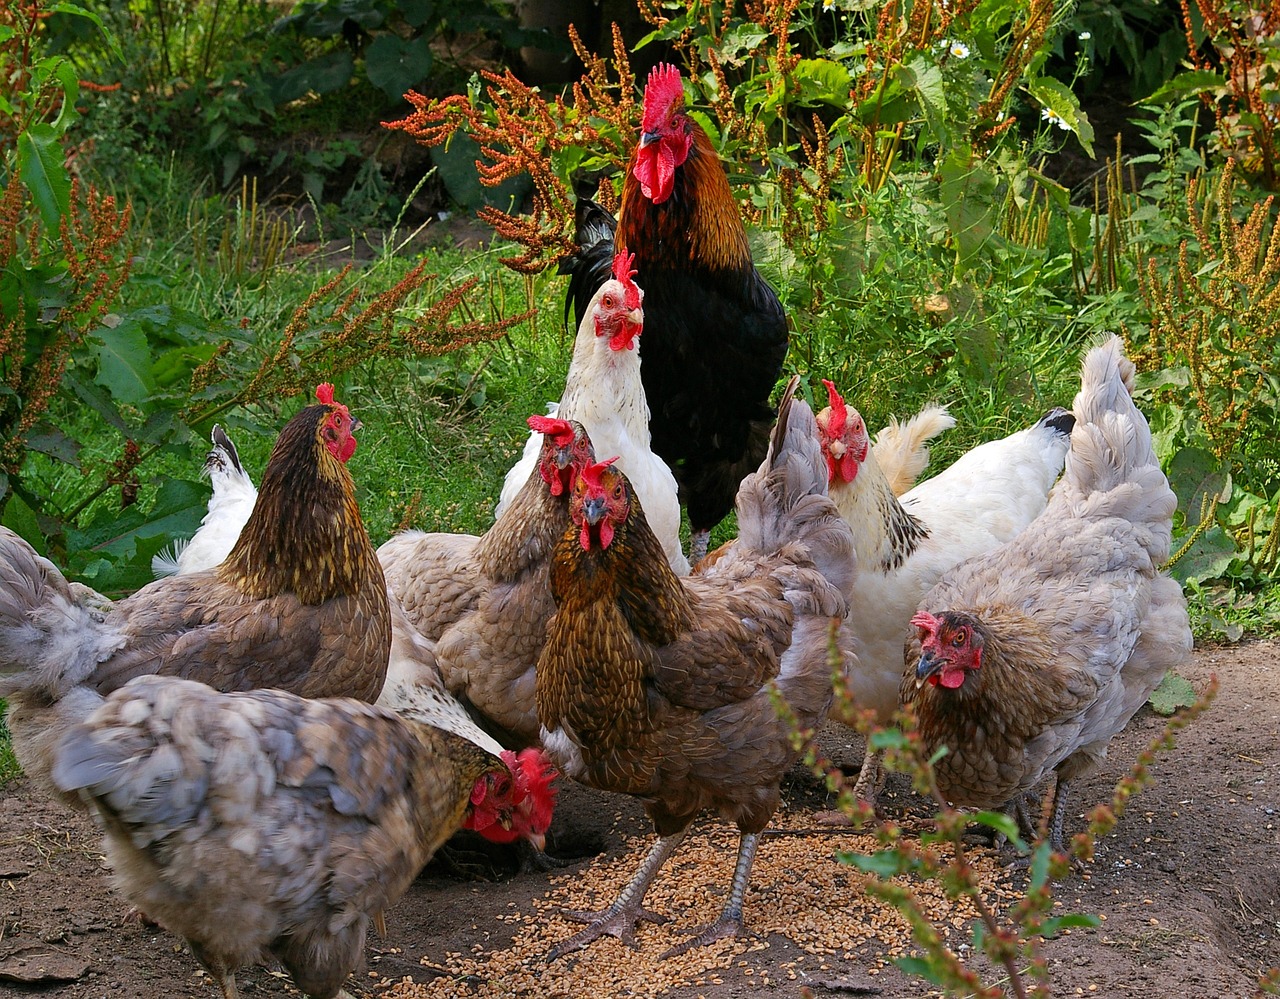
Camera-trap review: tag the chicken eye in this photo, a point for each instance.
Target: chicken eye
(607, 301)
(617, 492)
(958, 640)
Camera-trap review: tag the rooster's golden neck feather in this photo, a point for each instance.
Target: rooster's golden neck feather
(700, 219)
(305, 534)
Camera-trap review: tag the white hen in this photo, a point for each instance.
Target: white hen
(604, 393)
(905, 545)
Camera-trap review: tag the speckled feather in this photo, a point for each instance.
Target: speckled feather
(1080, 624)
(261, 823)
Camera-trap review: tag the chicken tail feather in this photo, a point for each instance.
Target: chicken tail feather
(785, 502)
(1112, 469)
(902, 448)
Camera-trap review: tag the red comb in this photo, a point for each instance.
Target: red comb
(663, 90)
(324, 392)
(561, 431)
(593, 475)
(839, 412)
(624, 272)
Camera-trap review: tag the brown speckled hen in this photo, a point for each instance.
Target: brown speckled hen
(300, 603)
(1029, 659)
(667, 688)
(479, 606)
(260, 824)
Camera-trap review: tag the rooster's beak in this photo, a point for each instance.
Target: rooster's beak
(593, 510)
(636, 317)
(355, 424)
(928, 665)
(648, 137)
(538, 840)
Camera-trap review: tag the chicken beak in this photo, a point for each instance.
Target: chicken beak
(636, 317)
(538, 840)
(356, 424)
(647, 138)
(927, 666)
(593, 510)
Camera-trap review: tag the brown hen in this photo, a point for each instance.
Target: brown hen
(299, 604)
(260, 824)
(667, 688)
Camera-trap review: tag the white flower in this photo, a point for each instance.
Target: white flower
(828, 4)
(999, 116)
(1053, 118)
(958, 50)
(1084, 36)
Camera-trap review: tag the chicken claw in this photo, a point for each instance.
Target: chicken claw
(620, 919)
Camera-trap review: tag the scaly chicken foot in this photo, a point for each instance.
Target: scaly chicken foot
(1056, 822)
(620, 919)
(730, 922)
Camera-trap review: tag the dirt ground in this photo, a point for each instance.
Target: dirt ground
(1188, 887)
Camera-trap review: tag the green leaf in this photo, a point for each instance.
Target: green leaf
(968, 195)
(920, 966)
(395, 65)
(124, 362)
(889, 738)
(40, 167)
(1004, 824)
(1173, 693)
(1198, 476)
(21, 519)
(922, 75)
(1052, 926)
(1209, 557)
(1055, 96)
(1196, 81)
(50, 440)
(885, 864)
(1040, 857)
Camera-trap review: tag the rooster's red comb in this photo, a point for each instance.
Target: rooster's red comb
(593, 475)
(923, 619)
(662, 93)
(623, 272)
(324, 392)
(560, 431)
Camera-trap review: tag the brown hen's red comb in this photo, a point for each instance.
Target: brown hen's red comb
(593, 475)
(839, 412)
(560, 431)
(624, 272)
(324, 392)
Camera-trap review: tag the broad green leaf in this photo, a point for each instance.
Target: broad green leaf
(1173, 693)
(395, 65)
(1208, 558)
(1197, 476)
(968, 195)
(21, 519)
(1057, 98)
(922, 75)
(51, 441)
(124, 362)
(1194, 82)
(1040, 858)
(40, 167)
(889, 738)
(1004, 824)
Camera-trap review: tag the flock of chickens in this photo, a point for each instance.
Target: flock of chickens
(277, 734)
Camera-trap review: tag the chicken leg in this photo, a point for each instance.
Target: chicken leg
(730, 922)
(698, 542)
(620, 919)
